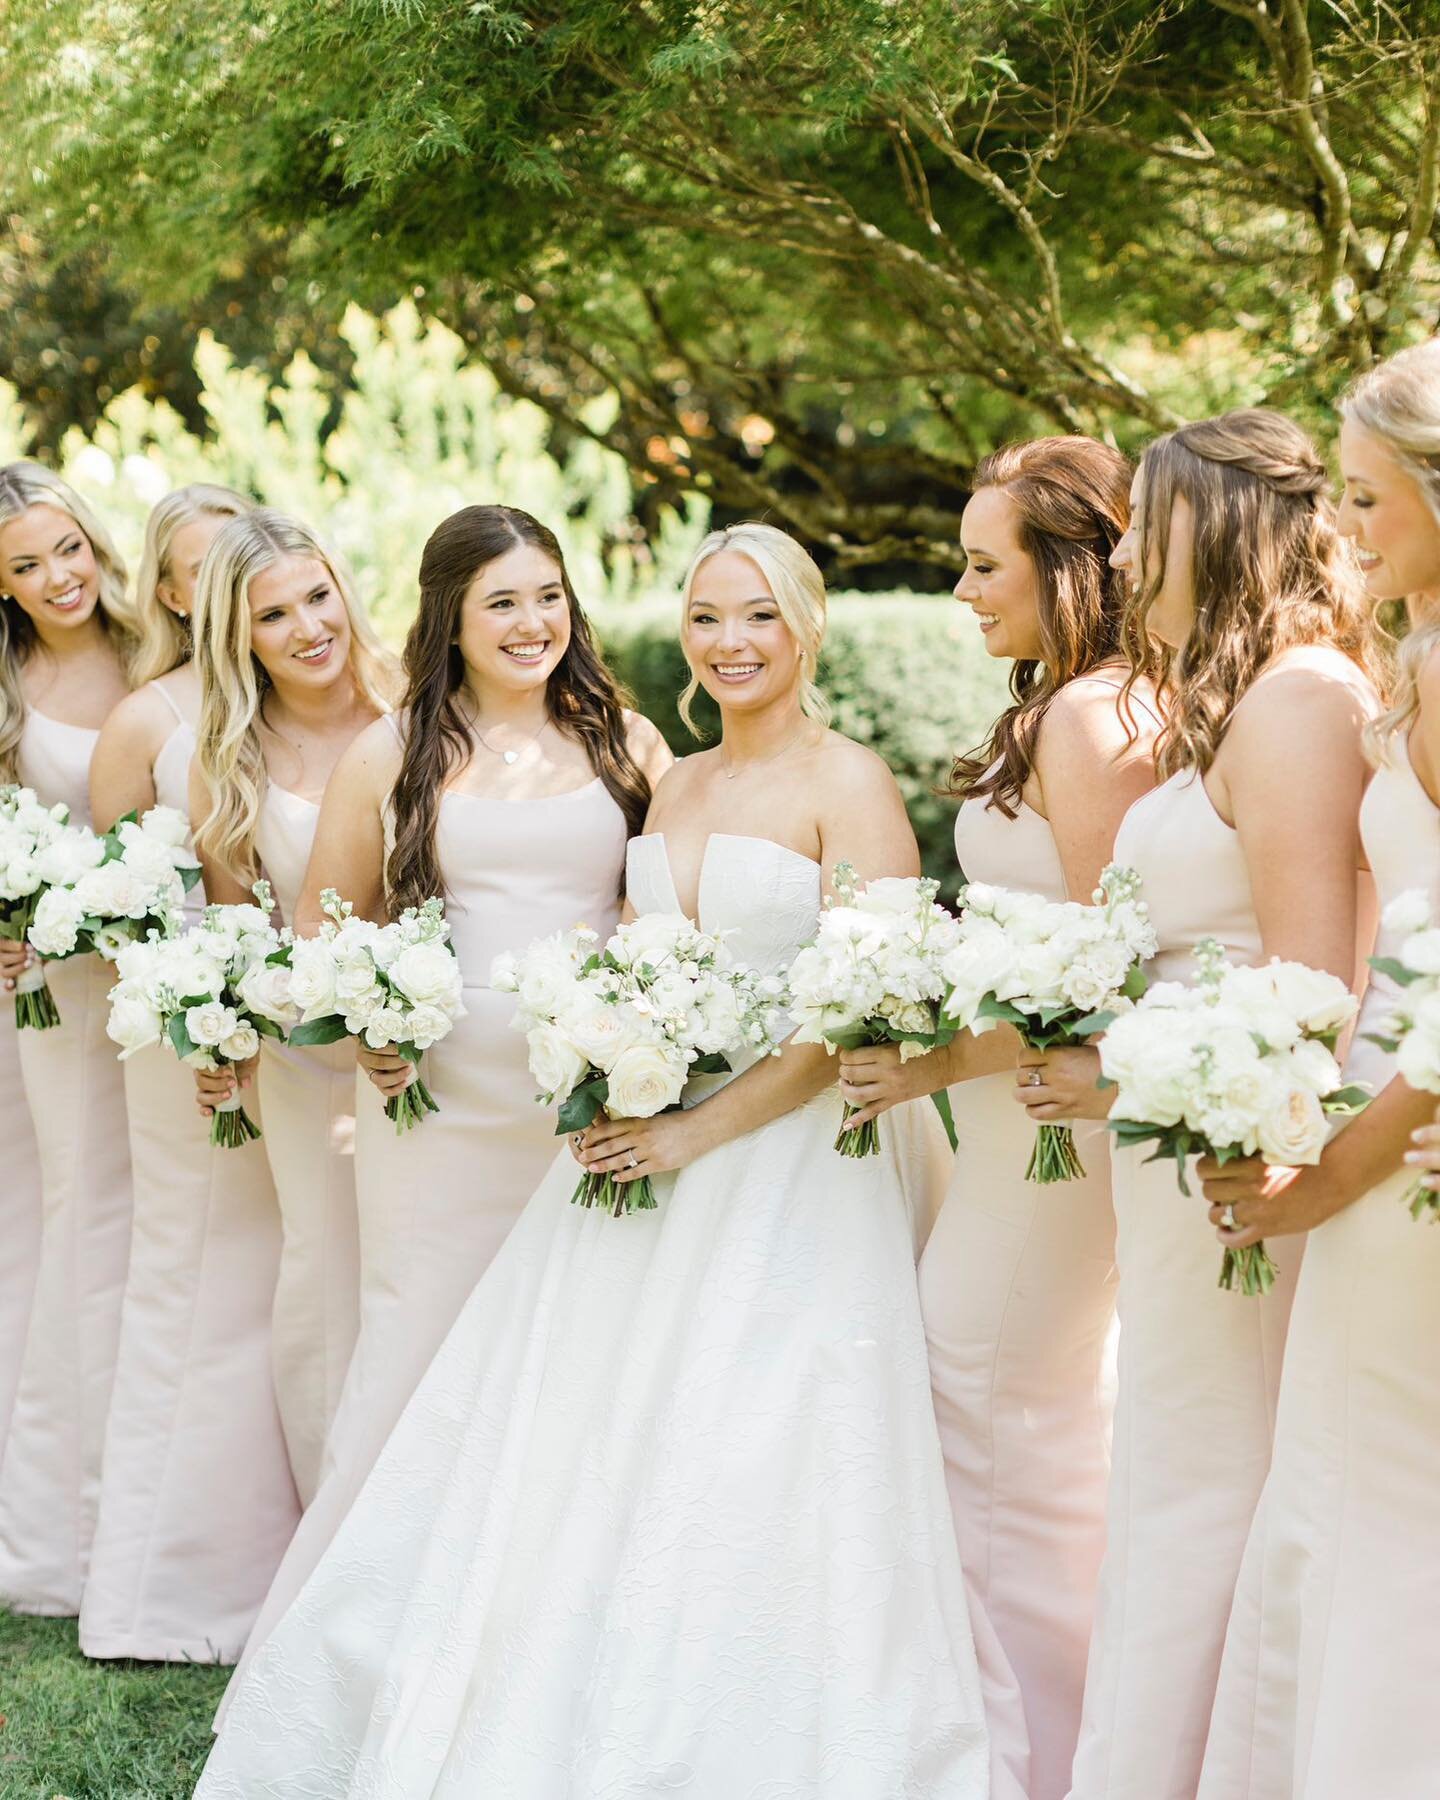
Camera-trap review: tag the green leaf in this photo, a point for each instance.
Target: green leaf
(713, 1063)
(184, 1044)
(328, 1030)
(583, 1105)
(941, 1101)
(1397, 971)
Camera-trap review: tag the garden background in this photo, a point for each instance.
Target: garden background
(644, 267)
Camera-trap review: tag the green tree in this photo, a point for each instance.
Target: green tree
(823, 253)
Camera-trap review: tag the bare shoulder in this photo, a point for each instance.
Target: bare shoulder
(1427, 678)
(371, 761)
(854, 771)
(681, 779)
(646, 744)
(1313, 690)
(139, 724)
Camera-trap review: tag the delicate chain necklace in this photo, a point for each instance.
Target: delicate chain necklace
(511, 756)
(755, 761)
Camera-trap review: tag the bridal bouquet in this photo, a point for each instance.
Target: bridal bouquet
(621, 1027)
(1241, 1063)
(135, 886)
(38, 847)
(874, 975)
(213, 993)
(1412, 1031)
(395, 985)
(1056, 970)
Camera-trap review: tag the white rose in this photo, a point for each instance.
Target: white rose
(167, 823)
(1407, 913)
(1311, 1066)
(643, 1081)
(1293, 1130)
(114, 891)
(426, 1025)
(190, 970)
(385, 1025)
(651, 939)
(264, 990)
(57, 921)
(210, 1023)
(312, 978)
(1320, 1002)
(69, 856)
(890, 894)
(599, 1032)
(241, 1044)
(1422, 953)
(1418, 1060)
(427, 974)
(558, 1067)
(132, 1024)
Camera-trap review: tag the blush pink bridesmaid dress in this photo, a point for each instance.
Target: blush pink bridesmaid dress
(307, 1096)
(19, 1214)
(1017, 1285)
(1199, 1370)
(197, 1502)
(1326, 1686)
(50, 1477)
(437, 1203)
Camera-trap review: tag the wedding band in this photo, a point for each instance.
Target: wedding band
(1035, 1079)
(634, 1160)
(1227, 1219)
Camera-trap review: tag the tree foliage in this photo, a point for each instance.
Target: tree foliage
(824, 253)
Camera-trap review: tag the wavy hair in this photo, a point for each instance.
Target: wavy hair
(1072, 495)
(165, 636)
(233, 684)
(584, 700)
(1398, 402)
(27, 484)
(798, 587)
(1269, 570)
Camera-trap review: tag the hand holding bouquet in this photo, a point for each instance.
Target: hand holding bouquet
(136, 886)
(212, 993)
(1240, 1064)
(874, 975)
(620, 1028)
(38, 846)
(1059, 972)
(395, 985)
(1412, 1031)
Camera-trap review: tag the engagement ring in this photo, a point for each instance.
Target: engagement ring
(1227, 1219)
(1035, 1079)
(634, 1160)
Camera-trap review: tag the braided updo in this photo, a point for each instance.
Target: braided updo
(1269, 569)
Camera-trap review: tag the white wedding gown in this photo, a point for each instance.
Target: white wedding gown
(667, 1515)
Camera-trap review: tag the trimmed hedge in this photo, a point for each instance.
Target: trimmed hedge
(905, 674)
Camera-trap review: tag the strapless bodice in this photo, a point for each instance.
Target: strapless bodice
(764, 897)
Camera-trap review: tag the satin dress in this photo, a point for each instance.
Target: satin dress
(197, 1502)
(1324, 1689)
(75, 1091)
(1017, 1285)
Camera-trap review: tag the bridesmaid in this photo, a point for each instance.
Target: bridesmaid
(194, 1434)
(290, 673)
(511, 785)
(1242, 581)
(1017, 1281)
(1325, 1687)
(66, 649)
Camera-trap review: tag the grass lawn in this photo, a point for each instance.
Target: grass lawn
(97, 1731)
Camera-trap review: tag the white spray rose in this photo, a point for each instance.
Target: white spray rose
(643, 1081)
(241, 1044)
(210, 1023)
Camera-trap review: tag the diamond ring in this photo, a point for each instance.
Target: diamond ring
(1228, 1220)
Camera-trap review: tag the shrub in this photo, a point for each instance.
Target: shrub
(905, 674)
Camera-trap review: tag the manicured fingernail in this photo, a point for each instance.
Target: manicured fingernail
(1414, 1156)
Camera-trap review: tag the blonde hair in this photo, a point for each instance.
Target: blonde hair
(1398, 401)
(798, 588)
(23, 485)
(165, 639)
(1268, 566)
(233, 684)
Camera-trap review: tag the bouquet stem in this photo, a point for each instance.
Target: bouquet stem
(232, 1126)
(863, 1142)
(1251, 1269)
(1423, 1202)
(615, 1197)
(410, 1107)
(1054, 1157)
(35, 1008)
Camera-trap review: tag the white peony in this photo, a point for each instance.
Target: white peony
(68, 858)
(426, 1025)
(643, 1081)
(114, 890)
(56, 924)
(427, 974)
(168, 824)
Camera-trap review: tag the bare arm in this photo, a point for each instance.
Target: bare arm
(652, 754)
(122, 777)
(348, 853)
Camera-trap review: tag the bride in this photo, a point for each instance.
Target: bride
(666, 1516)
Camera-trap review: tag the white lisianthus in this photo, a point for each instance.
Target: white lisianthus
(133, 1024)
(109, 940)
(643, 1081)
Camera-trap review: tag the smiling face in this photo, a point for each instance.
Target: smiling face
(1000, 582)
(740, 648)
(1384, 512)
(48, 567)
(187, 552)
(514, 623)
(299, 628)
(1172, 612)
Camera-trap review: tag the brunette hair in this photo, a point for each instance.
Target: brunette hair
(1072, 495)
(1269, 568)
(583, 697)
